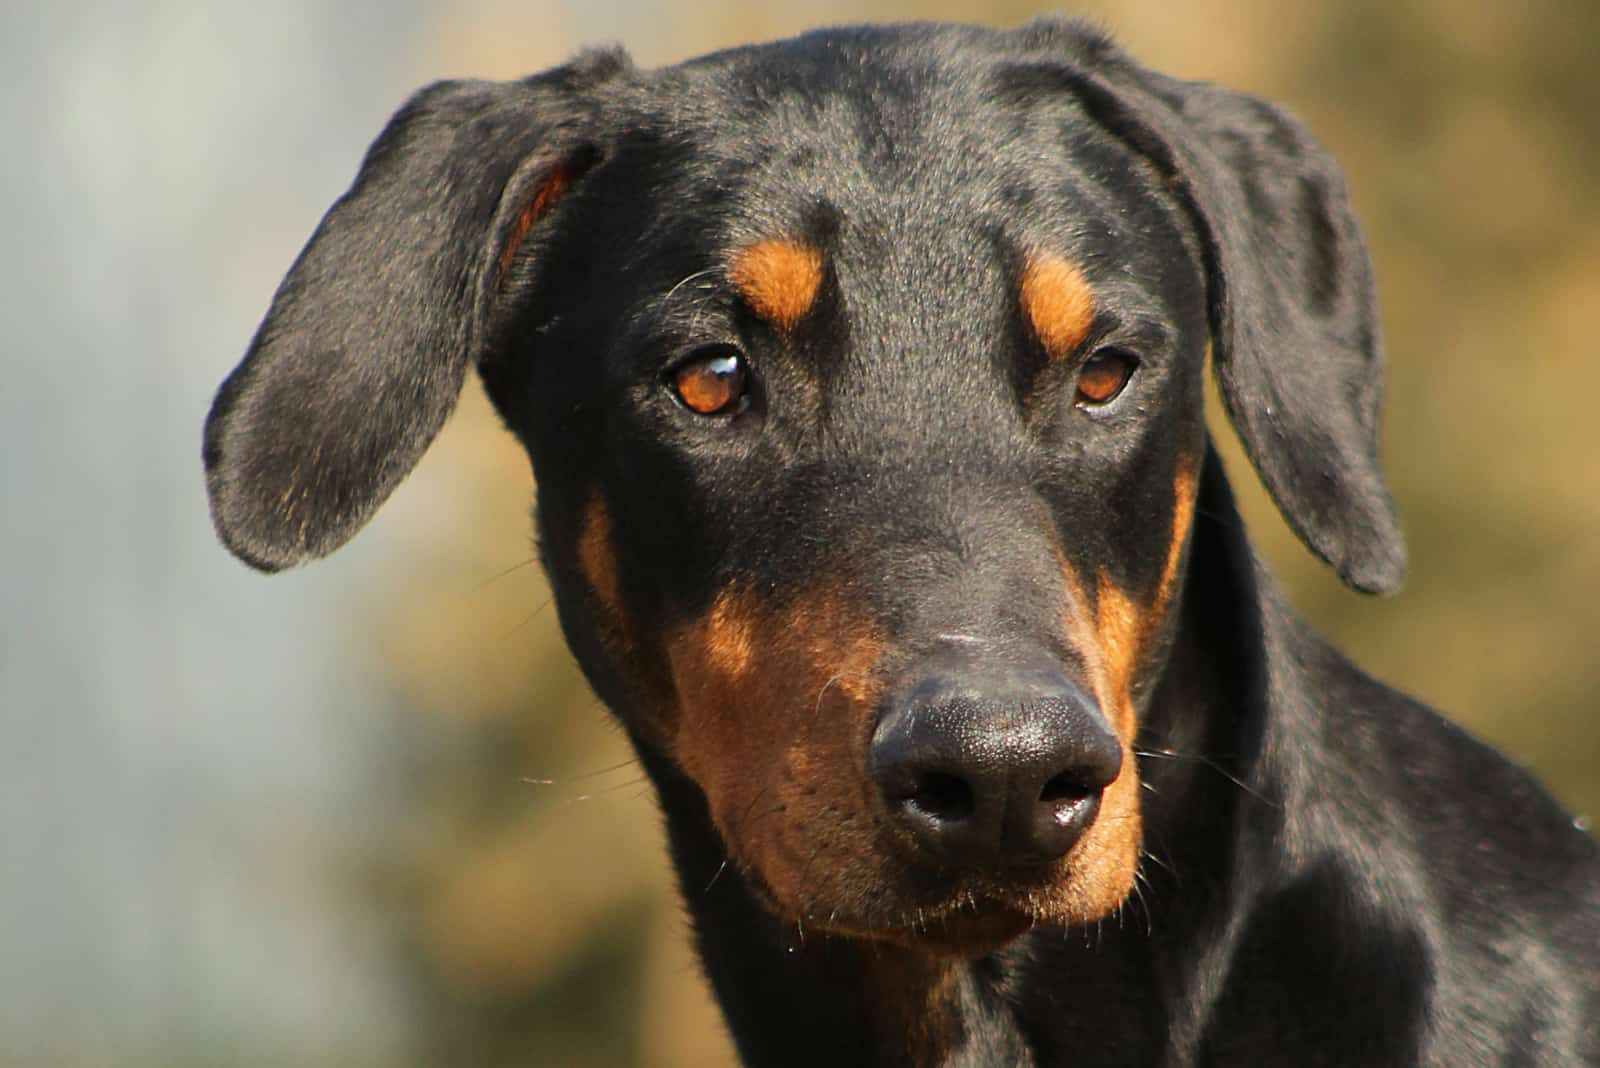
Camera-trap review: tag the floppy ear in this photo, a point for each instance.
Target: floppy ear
(363, 353)
(1293, 310)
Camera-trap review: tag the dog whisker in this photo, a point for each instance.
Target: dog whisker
(1170, 754)
(513, 569)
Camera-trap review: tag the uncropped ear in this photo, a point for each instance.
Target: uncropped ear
(362, 355)
(1294, 320)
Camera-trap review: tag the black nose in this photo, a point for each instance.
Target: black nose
(994, 766)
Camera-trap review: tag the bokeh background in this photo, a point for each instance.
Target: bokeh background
(367, 813)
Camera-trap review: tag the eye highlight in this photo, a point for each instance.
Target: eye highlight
(713, 381)
(1103, 377)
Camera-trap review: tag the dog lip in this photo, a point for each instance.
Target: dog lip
(959, 930)
(964, 932)
(954, 920)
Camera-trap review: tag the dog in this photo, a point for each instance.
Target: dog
(861, 375)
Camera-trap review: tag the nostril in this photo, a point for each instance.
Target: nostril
(1063, 790)
(947, 798)
(1065, 809)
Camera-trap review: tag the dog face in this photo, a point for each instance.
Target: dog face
(861, 376)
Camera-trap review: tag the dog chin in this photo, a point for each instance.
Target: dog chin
(965, 927)
(965, 934)
(962, 931)
(940, 913)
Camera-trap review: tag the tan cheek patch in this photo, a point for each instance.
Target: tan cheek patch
(1123, 629)
(1127, 628)
(1184, 492)
(730, 637)
(1125, 625)
(1119, 625)
(1104, 863)
(1101, 866)
(1058, 303)
(773, 709)
(779, 278)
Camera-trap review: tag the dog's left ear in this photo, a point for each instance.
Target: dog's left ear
(1292, 302)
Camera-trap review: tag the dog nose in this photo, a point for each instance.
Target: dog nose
(994, 767)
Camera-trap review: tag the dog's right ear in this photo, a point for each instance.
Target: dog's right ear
(363, 353)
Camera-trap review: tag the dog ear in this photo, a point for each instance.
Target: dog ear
(362, 355)
(1291, 296)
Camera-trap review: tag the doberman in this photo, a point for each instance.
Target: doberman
(861, 375)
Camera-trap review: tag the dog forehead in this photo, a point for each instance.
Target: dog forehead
(901, 130)
(886, 116)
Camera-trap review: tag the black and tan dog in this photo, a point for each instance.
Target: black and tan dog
(861, 375)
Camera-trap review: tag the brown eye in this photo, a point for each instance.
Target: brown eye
(1103, 377)
(712, 382)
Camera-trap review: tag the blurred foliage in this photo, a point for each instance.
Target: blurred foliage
(528, 898)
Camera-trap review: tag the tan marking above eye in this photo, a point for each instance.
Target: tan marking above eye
(779, 278)
(1058, 303)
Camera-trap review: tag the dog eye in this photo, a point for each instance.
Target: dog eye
(1103, 376)
(714, 381)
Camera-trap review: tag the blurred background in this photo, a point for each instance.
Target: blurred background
(367, 813)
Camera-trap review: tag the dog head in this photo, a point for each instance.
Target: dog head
(861, 377)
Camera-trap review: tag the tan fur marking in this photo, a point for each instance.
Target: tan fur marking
(729, 639)
(779, 278)
(774, 705)
(1081, 635)
(1183, 489)
(1125, 627)
(1105, 860)
(554, 185)
(1119, 625)
(1103, 863)
(597, 558)
(1058, 302)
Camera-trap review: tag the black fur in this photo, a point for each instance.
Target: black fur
(1332, 874)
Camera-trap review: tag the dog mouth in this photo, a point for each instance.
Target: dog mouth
(946, 915)
(866, 879)
(966, 929)
(969, 928)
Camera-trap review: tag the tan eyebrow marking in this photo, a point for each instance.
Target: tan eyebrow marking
(779, 278)
(1058, 302)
